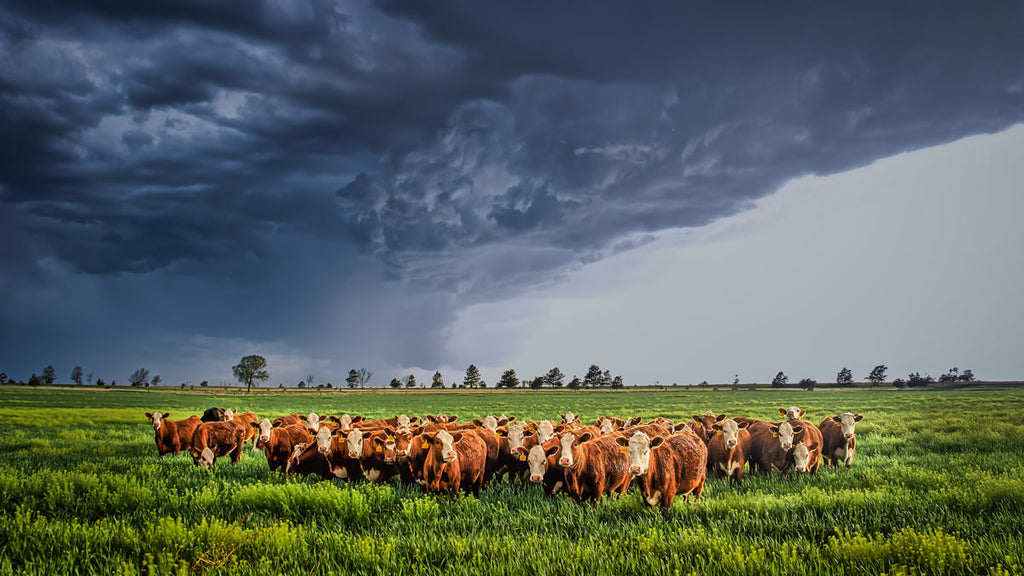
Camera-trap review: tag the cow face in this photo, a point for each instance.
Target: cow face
(344, 422)
(489, 422)
(402, 420)
(638, 451)
(265, 426)
(537, 460)
(847, 423)
(545, 431)
(515, 437)
(791, 413)
(206, 458)
(801, 457)
(403, 442)
(229, 414)
(567, 442)
(444, 443)
(157, 419)
(387, 444)
(785, 433)
(354, 443)
(606, 426)
(569, 418)
(323, 441)
(313, 421)
(730, 432)
(707, 422)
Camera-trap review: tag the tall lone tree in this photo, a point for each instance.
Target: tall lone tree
(252, 368)
(844, 377)
(554, 378)
(508, 379)
(472, 379)
(76, 375)
(139, 378)
(353, 378)
(437, 381)
(877, 375)
(49, 375)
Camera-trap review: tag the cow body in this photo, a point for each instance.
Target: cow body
(277, 443)
(454, 462)
(172, 436)
(839, 441)
(727, 450)
(213, 439)
(667, 467)
(593, 467)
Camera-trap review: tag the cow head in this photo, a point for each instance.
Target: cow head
(801, 457)
(847, 423)
(264, 427)
(537, 461)
(444, 444)
(606, 426)
(344, 422)
(354, 443)
(323, 441)
(567, 443)
(545, 431)
(205, 458)
(403, 442)
(638, 451)
(402, 420)
(785, 432)
(313, 421)
(157, 418)
(515, 436)
(488, 422)
(387, 445)
(569, 418)
(229, 414)
(791, 413)
(730, 431)
(707, 422)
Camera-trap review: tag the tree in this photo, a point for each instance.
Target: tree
(808, 384)
(410, 381)
(899, 383)
(736, 379)
(574, 384)
(617, 383)
(437, 381)
(877, 375)
(139, 378)
(844, 377)
(395, 383)
(364, 377)
(538, 382)
(606, 378)
(554, 378)
(3, 377)
(780, 380)
(915, 380)
(353, 378)
(49, 375)
(34, 380)
(592, 379)
(508, 379)
(251, 369)
(156, 380)
(472, 379)
(967, 376)
(88, 378)
(76, 375)
(100, 382)
(309, 379)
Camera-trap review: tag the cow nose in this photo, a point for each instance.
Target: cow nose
(731, 443)
(563, 461)
(787, 445)
(353, 454)
(848, 436)
(535, 478)
(634, 469)
(450, 455)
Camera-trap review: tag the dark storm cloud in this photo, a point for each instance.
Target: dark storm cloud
(472, 148)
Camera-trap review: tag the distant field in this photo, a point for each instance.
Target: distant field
(937, 488)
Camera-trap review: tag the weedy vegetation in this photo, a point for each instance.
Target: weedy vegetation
(937, 488)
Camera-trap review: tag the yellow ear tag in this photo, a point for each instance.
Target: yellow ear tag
(496, 434)
(425, 445)
(391, 438)
(624, 449)
(775, 434)
(718, 433)
(522, 457)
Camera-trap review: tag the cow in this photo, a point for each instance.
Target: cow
(592, 466)
(277, 442)
(345, 421)
(375, 465)
(246, 420)
(704, 425)
(313, 422)
(172, 436)
(727, 450)
(792, 413)
(570, 418)
(399, 420)
(213, 439)
(666, 467)
(512, 462)
(308, 459)
(770, 444)
(287, 420)
(454, 462)
(839, 440)
(342, 450)
(213, 415)
(545, 431)
(542, 464)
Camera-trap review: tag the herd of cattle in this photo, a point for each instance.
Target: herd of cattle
(437, 452)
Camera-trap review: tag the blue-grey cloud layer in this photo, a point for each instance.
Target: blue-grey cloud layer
(261, 153)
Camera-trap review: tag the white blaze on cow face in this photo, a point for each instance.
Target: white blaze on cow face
(785, 432)
(229, 414)
(639, 453)
(323, 441)
(537, 459)
(344, 422)
(801, 457)
(794, 413)
(566, 441)
(403, 420)
(515, 437)
(354, 443)
(158, 418)
(730, 434)
(448, 453)
(606, 426)
(206, 458)
(545, 431)
(313, 421)
(847, 423)
(568, 418)
(490, 423)
(265, 427)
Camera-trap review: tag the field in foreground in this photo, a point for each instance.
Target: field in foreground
(937, 488)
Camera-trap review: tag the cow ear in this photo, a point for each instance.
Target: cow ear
(477, 421)
(802, 412)
(837, 419)
(720, 418)
(797, 428)
(552, 449)
(584, 438)
(358, 419)
(511, 418)
(657, 441)
(378, 441)
(773, 429)
(634, 421)
(622, 441)
(696, 418)
(742, 424)
(858, 418)
(275, 425)
(254, 424)
(389, 430)
(414, 419)
(334, 419)
(457, 436)
(452, 419)
(149, 415)
(518, 451)
(716, 426)
(782, 411)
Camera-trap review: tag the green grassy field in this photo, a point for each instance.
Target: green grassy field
(937, 488)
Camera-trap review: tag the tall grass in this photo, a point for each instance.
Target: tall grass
(937, 488)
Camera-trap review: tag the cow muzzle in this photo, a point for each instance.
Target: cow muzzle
(564, 462)
(353, 454)
(634, 470)
(536, 478)
(787, 445)
(730, 444)
(848, 436)
(449, 456)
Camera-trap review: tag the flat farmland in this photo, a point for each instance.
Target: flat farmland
(937, 488)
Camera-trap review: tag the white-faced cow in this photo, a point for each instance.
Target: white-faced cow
(839, 439)
(666, 467)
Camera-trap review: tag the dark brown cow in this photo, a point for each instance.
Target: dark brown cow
(727, 450)
(213, 439)
(307, 459)
(277, 442)
(704, 425)
(213, 415)
(839, 439)
(172, 436)
(592, 466)
(770, 443)
(375, 465)
(666, 467)
(454, 462)
(288, 420)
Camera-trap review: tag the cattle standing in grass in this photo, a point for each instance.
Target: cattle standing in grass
(592, 467)
(704, 425)
(213, 415)
(172, 436)
(376, 466)
(666, 467)
(839, 440)
(727, 449)
(769, 444)
(511, 460)
(308, 459)
(213, 439)
(542, 464)
(454, 462)
(277, 442)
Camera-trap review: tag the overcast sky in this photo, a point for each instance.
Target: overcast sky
(673, 191)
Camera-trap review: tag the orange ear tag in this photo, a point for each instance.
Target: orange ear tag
(391, 438)
(522, 457)
(775, 434)
(624, 449)
(718, 433)
(425, 445)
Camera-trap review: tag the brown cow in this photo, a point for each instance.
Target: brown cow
(570, 418)
(839, 440)
(704, 425)
(770, 444)
(245, 420)
(727, 450)
(277, 442)
(345, 421)
(666, 467)
(593, 466)
(542, 463)
(308, 459)
(213, 439)
(792, 413)
(172, 435)
(376, 466)
(454, 462)
(287, 420)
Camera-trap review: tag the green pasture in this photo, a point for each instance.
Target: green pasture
(937, 488)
